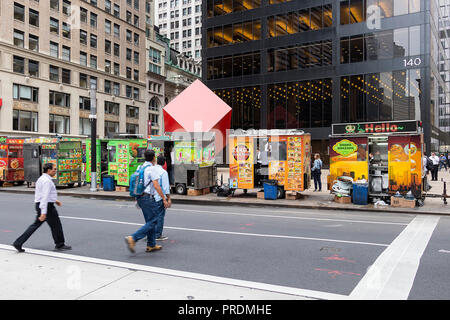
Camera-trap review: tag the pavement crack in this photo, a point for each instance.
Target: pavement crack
(107, 284)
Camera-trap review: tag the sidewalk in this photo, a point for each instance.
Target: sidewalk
(309, 199)
(47, 275)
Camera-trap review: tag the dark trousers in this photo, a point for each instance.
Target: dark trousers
(434, 172)
(53, 221)
(317, 181)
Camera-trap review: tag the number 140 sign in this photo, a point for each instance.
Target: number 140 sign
(412, 62)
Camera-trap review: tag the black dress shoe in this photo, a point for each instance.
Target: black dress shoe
(63, 247)
(18, 248)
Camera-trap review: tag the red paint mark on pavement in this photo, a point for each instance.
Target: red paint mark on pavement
(1, 230)
(337, 258)
(335, 273)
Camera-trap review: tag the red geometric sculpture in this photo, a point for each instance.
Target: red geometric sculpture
(197, 109)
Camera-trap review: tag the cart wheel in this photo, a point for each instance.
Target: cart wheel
(70, 185)
(245, 191)
(19, 183)
(281, 193)
(180, 188)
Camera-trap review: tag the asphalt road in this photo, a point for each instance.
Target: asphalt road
(357, 254)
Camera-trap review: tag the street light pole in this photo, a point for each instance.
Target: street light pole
(93, 119)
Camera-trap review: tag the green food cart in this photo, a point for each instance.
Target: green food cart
(116, 157)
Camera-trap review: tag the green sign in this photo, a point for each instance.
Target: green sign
(2, 139)
(345, 147)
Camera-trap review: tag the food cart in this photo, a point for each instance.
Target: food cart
(259, 155)
(386, 155)
(195, 165)
(11, 160)
(65, 153)
(116, 157)
(163, 145)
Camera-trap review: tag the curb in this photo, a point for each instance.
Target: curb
(233, 203)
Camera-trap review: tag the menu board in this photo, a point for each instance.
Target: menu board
(294, 164)
(69, 162)
(49, 155)
(241, 162)
(122, 167)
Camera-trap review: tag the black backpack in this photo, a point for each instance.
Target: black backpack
(429, 164)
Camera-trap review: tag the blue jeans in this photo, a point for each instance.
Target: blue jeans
(317, 181)
(161, 213)
(150, 212)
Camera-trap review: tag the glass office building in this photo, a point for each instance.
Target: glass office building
(307, 64)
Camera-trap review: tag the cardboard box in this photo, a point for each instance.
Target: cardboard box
(402, 203)
(195, 192)
(260, 195)
(121, 189)
(206, 191)
(342, 199)
(292, 195)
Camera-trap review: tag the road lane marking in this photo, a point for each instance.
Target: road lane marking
(444, 251)
(392, 275)
(189, 275)
(234, 233)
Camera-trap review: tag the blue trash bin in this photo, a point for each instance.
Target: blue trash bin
(270, 190)
(108, 183)
(361, 193)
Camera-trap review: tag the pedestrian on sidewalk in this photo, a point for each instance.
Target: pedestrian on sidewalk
(443, 162)
(165, 186)
(434, 171)
(45, 198)
(316, 172)
(148, 206)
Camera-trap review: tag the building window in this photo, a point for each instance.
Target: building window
(128, 35)
(116, 50)
(128, 73)
(66, 53)
(132, 128)
(93, 61)
(116, 69)
(59, 99)
(83, 80)
(116, 89)
(66, 9)
(111, 108)
(107, 86)
(108, 46)
(107, 27)
(128, 91)
(93, 41)
(136, 75)
(19, 38)
(93, 20)
(136, 93)
(33, 43)
(116, 30)
(54, 73)
(25, 120)
(136, 57)
(66, 30)
(25, 93)
(133, 112)
(111, 127)
(65, 76)
(54, 49)
(93, 82)
(33, 68)
(54, 4)
(107, 66)
(85, 126)
(85, 103)
(83, 15)
(116, 11)
(18, 64)
(54, 26)
(59, 124)
(83, 58)
(83, 37)
(108, 6)
(19, 12)
(33, 18)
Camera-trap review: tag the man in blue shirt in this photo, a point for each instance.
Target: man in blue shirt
(148, 205)
(165, 186)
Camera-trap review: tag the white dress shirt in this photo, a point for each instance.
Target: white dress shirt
(435, 160)
(45, 192)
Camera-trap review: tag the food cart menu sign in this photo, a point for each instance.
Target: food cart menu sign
(69, 162)
(294, 180)
(122, 167)
(241, 161)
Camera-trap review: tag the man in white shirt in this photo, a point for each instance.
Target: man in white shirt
(434, 170)
(45, 198)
